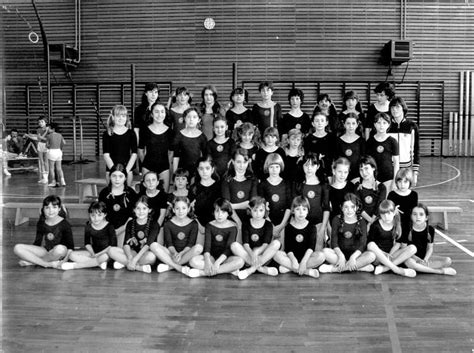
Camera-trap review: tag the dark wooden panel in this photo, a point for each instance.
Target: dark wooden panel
(294, 40)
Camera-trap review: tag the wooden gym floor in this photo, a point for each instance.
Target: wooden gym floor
(120, 311)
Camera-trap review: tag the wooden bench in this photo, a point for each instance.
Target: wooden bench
(439, 215)
(88, 190)
(25, 164)
(25, 210)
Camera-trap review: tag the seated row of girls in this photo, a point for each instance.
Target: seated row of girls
(299, 240)
(302, 252)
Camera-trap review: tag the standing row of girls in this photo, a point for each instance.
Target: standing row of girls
(299, 248)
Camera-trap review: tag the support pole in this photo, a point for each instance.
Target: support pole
(132, 84)
(450, 135)
(48, 83)
(471, 118)
(461, 102)
(467, 116)
(74, 139)
(455, 134)
(234, 75)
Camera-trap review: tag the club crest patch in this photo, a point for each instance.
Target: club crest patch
(347, 235)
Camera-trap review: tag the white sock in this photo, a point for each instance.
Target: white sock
(313, 273)
(146, 268)
(118, 265)
(378, 270)
(103, 265)
(194, 272)
(449, 271)
(67, 266)
(409, 272)
(163, 268)
(283, 269)
(243, 274)
(185, 270)
(325, 268)
(272, 271)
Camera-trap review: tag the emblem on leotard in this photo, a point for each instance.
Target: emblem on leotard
(50, 236)
(299, 238)
(368, 200)
(140, 234)
(220, 148)
(116, 207)
(348, 152)
(181, 236)
(219, 237)
(266, 112)
(180, 120)
(254, 237)
(298, 126)
(311, 194)
(380, 149)
(275, 197)
(347, 234)
(240, 194)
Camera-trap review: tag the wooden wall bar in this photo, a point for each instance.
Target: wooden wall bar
(280, 40)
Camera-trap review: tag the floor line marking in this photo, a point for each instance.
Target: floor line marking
(444, 242)
(455, 243)
(446, 200)
(442, 182)
(392, 326)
